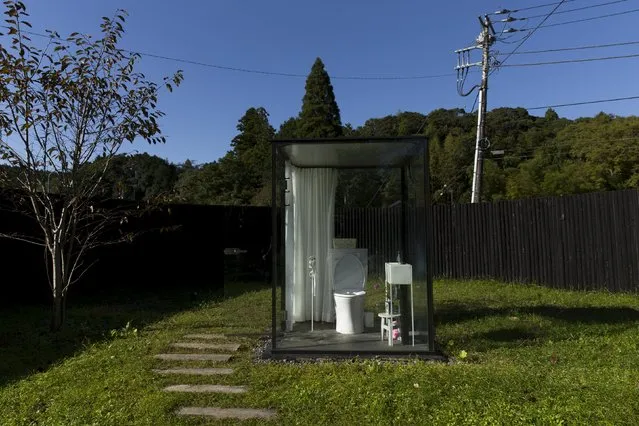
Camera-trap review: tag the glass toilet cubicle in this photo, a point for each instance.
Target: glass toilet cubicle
(332, 290)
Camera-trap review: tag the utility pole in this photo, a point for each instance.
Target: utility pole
(484, 41)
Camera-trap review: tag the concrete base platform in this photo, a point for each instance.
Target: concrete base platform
(327, 340)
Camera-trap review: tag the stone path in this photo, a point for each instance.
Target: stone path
(196, 371)
(205, 336)
(195, 357)
(232, 347)
(210, 412)
(227, 413)
(206, 388)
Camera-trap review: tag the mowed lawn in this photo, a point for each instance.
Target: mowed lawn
(519, 355)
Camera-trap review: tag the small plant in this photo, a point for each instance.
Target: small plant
(124, 332)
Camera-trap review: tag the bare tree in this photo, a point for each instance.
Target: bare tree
(62, 107)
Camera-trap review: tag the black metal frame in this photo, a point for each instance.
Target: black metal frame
(352, 140)
(276, 212)
(274, 244)
(346, 139)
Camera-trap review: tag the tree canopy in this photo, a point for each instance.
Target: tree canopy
(319, 117)
(242, 176)
(65, 112)
(529, 156)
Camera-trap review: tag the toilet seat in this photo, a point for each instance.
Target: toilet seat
(349, 279)
(349, 273)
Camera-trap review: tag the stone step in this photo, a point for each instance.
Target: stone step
(233, 347)
(195, 357)
(227, 413)
(205, 389)
(205, 336)
(196, 371)
(246, 335)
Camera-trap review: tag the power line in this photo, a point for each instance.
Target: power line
(584, 19)
(598, 101)
(283, 74)
(575, 9)
(263, 72)
(474, 103)
(562, 145)
(539, 25)
(565, 49)
(506, 11)
(568, 61)
(505, 39)
(203, 64)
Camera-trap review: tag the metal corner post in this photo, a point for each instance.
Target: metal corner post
(404, 195)
(428, 211)
(274, 245)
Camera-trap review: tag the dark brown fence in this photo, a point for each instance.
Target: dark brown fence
(375, 229)
(588, 241)
(181, 246)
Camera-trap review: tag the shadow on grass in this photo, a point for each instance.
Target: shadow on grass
(238, 288)
(27, 346)
(512, 328)
(456, 313)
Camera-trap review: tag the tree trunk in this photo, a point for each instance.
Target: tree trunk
(57, 319)
(57, 286)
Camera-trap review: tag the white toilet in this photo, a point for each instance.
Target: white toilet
(349, 277)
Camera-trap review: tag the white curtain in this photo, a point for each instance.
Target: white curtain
(309, 232)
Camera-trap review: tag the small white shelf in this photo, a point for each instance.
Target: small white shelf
(399, 274)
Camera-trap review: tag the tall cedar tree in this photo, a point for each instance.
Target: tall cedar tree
(320, 116)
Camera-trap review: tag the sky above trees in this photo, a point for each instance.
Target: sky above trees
(355, 38)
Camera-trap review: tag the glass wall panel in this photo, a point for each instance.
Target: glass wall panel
(339, 226)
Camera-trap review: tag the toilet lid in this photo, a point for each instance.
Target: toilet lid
(349, 273)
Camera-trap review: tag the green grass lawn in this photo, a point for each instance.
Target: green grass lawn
(522, 355)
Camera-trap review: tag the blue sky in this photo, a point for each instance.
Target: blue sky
(353, 38)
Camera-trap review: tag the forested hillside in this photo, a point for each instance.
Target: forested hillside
(541, 156)
(528, 156)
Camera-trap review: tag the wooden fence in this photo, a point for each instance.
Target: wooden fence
(179, 246)
(588, 241)
(376, 229)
